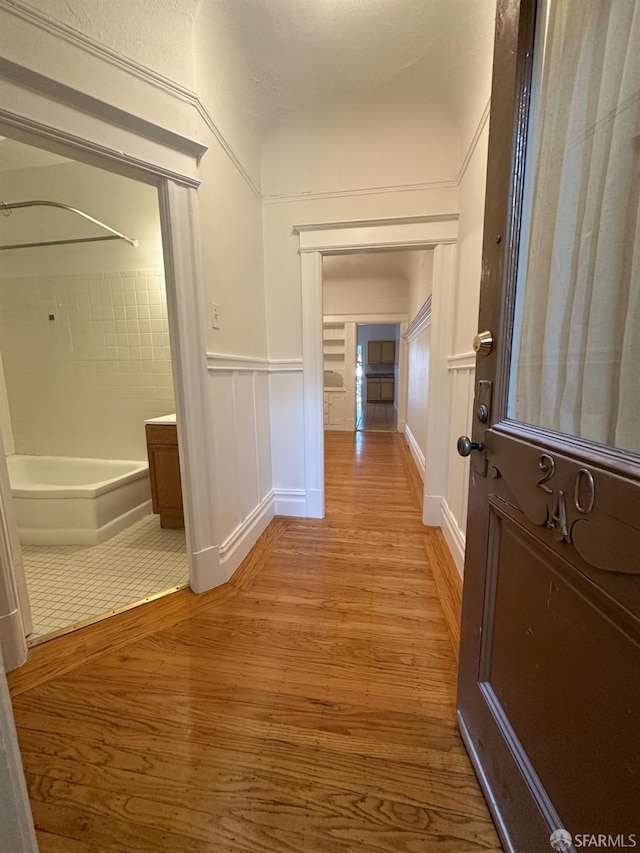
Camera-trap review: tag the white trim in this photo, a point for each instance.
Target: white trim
(286, 365)
(363, 319)
(432, 510)
(65, 94)
(290, 502)
(30, 131)
(313, 382)
(179, 224)
(420, 322)
(285, 198)
(455, 538)
(236, 546)
(416, 452)
(225, 363)
(462, 361)
(347, 224)
(484, 118)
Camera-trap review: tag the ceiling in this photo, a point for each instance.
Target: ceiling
(350, 50)
(294, 53)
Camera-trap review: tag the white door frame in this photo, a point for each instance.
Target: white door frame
(438, 232)
(146, 152)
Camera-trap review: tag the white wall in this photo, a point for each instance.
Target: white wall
(127, 206)
(84, 383)
(385, 144)
(420, 281)
(364, 296)
(418, 350)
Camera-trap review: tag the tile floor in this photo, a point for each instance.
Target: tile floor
(71, 584)
(379, 417)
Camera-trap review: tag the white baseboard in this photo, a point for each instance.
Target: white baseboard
(290, 502)
(12, 641)
(214, 565)
(402, 425)
(432, 510)
(236, 547)
(314, 503)
(454, 536)
(416, 452)
(205, 570)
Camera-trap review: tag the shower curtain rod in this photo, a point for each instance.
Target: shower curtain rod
(113, 235)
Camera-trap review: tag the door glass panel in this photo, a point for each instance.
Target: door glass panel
(576, 356)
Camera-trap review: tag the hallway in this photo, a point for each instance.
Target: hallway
(308, 705)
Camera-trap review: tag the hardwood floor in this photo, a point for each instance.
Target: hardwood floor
(308, 706)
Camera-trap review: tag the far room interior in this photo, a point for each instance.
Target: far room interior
(376, 340)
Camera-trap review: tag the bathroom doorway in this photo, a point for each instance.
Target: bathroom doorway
(87, 411)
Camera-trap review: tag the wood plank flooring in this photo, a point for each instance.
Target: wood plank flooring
(308, 706)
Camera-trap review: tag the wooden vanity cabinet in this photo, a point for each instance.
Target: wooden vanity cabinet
(164, 473)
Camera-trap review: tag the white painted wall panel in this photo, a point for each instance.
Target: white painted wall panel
(263, 432)
(287, 430)
(418, 387)
(247, 472)
(226, 482)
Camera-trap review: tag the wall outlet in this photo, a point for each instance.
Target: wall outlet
(215, 315)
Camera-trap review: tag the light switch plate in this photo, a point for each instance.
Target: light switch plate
(215, 315)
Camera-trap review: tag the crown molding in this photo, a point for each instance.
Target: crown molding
(57, 29)
(484, 118)
(359, 191)
(89, 45)
(374, 223)
(420, 322)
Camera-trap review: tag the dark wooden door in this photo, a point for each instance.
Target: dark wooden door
(549, 683)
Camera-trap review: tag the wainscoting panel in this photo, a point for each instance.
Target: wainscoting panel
(461, 369)
(287, 441)
(239, 390)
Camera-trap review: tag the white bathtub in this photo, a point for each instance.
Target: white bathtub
(61, 500)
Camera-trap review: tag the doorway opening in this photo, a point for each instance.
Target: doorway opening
(91, 481)
(377, 401)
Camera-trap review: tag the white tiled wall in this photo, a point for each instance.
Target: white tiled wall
(83, 383)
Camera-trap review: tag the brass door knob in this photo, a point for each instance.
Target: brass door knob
(483, 343)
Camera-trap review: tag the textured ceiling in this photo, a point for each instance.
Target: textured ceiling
(349, 50)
